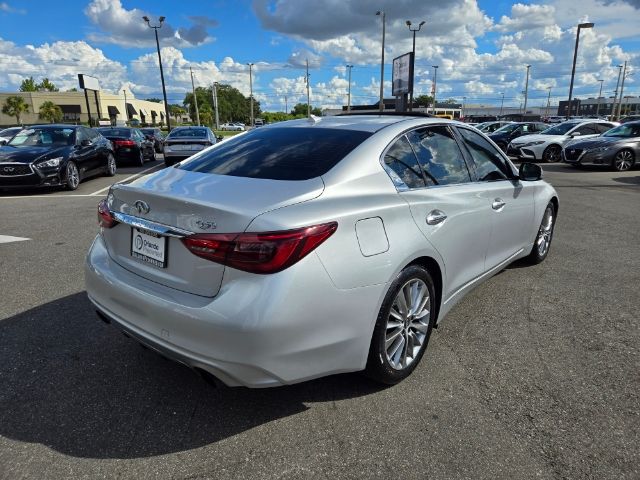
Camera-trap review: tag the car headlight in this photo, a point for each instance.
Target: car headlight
(51, 163)
(602, 149)
(531, 144)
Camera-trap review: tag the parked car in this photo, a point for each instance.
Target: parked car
(7, 134)
(554, 119)
(547, 145)
(155, 135)
(628, 118)
(129, 144)
(504, 135)
(231, 127)
(54, 155)
(302, 249)
(618, 148)
(183, 142)
(490, 127)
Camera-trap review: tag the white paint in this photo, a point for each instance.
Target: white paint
(10, 239)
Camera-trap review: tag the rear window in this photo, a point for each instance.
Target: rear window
(188, 132)
(279, 153)
(115, 132)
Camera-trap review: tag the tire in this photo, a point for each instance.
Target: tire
(551, 154)
(71, 176)
(152, 154)
(623, 161)
(140, 161)
(111, 166)
(167, 162)
(542, 243)
(392, 364)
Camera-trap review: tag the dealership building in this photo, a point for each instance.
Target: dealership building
(107, 107)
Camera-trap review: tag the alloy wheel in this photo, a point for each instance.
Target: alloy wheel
(543, 241)
(111, 165)
(407, 324)
(623, 160)
(73, 177)
(552, 154)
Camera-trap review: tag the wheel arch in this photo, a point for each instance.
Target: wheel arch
(432, 266)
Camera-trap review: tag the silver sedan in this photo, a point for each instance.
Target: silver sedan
(313, 247)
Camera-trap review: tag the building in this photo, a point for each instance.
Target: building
(108, 108)
(589, 107)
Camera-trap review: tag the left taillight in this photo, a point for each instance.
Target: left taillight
(266, 252)
(105, 218)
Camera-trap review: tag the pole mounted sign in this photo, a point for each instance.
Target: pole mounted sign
(402, 83)
(87, 82)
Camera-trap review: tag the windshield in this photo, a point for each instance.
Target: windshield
(624, 131)
(43, 137)
(508, 128)
(560, 129)
(188, 133)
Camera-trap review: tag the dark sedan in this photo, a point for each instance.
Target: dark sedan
(618, 148)
(503, 136)
(156, 136)
(54, 155)
(129, 144)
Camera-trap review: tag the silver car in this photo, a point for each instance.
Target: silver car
(313, 247)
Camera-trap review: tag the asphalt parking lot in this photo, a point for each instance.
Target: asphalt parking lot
(535, 374)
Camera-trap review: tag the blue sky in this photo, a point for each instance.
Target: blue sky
(482, 47)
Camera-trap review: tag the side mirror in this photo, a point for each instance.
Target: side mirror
(530, 172)
(575, 134)
(3, 142)
(219, 138)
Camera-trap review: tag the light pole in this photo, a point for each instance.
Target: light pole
(349, 90)
(463, 99)
(381, 105)
(573, 69)
(126, 110)
(624, 75)
(414, 30)
(526, 91)
(214, 91)
(599, 95)
(164, 90)
(251, 93)
(195, 99)
(615, 95)
(548, 102)
(434, 86)
(501, 104)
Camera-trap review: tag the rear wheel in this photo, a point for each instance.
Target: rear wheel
(403, 327)
(542, 243)
(140, 161)
(111, 166)
(72, 176)
(623, 160)
(551, 154)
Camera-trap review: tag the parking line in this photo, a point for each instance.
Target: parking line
(9, 239)
(135, 175)
(47, 196)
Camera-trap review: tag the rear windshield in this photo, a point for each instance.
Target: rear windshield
(279, 153)
(115, 132)
(188, 132)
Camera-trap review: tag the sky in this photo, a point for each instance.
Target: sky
(481, 47)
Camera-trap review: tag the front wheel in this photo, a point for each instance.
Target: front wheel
(551, 154)
(403, 327)
(111, 166)
(623, 160)
(72, 176)
(140, 161)
(542, 243)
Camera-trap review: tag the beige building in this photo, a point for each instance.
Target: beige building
(74, 108)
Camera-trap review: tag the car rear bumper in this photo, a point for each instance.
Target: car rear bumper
(259, 331)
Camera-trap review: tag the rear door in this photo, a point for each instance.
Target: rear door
(509, 201)
(445, 204)
(85, 155)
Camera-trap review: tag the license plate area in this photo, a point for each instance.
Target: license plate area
(149, 247)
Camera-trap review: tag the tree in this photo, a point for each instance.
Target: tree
(28, 85)
(300, 110)
(232, 104)
(50, 111)
(156, 100)
(45, 84)
(273, 117)
(74, 89)
(15, 106)
(176, 111)
(423, 100)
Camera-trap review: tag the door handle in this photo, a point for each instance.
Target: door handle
(435, 217)
(498, 204)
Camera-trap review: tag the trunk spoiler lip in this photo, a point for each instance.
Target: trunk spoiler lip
(155, 227)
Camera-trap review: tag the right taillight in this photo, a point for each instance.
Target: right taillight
(266, 252)
(105, 218)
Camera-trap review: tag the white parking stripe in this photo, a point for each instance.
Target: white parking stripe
(132, 177)
(47, 196)
(9, 239)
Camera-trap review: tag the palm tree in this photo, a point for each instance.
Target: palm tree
(15, 106)
(50, 111)
(176, 111)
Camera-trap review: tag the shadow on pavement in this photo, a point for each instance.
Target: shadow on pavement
(628, 180)
(76, 385)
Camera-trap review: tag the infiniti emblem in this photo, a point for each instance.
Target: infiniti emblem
(8, 169)
(141, 206)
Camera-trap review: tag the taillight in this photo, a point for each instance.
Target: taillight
(267, 252)
(105, 219)
(124, 143)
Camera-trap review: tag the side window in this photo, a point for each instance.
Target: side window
(93, 135)
(526, 128)
(603, 127)
(538, 127)
(402, 165)
(587, 129)
(81, 135)
(439, 155)
(488, 162)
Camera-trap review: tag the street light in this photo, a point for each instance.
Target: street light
(251, 92)
(501, 105)
(414, 30)
(381, 106)
(573, 69)
(526, 91)
(434, 86)
(349, 91)
(164, 90)
(599, 95)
